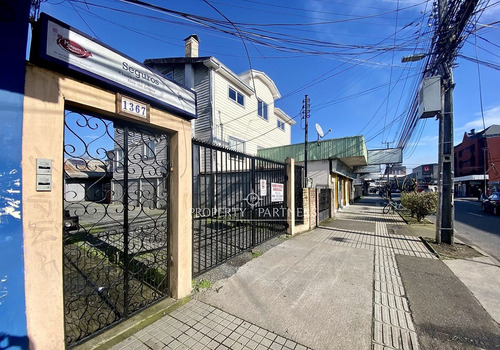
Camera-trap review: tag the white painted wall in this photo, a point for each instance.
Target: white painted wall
(243, 122)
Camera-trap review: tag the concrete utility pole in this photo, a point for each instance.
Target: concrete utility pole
(306, 116)
(445, 230)
(450, 37)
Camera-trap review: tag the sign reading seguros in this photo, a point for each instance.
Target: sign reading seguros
(63, 45)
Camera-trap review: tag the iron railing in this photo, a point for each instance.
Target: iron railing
(299, 195)
(235, 206)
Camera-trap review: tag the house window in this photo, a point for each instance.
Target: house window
(281, 124)
(236, 96)
(149, 150)
(170, 75)
(118, 158)
(262, 109)
(236, 144)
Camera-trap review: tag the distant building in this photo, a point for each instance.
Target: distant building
(330, 165)
(476, 160)
(426, 174)
(234, 110)
(397, 170)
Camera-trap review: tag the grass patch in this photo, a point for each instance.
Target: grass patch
(200, 284)
(256, 253)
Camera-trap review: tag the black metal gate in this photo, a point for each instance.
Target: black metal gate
(239, 201)
(115, 222)
(324, 204)
(299, 195)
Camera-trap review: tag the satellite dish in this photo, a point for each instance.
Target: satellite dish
(319, 130)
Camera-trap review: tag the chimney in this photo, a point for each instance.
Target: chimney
(191, 46)
(472, 131)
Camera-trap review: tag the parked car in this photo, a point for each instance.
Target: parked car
(492, 203)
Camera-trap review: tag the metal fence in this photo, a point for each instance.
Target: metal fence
(239, 201)
(325, 196)
(115, 232)
(299, 196)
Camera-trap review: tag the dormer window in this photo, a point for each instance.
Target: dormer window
(236, 96)
(262, 109)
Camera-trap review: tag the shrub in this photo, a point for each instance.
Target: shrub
(420, 204)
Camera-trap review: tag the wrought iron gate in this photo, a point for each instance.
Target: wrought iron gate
(239, 201)
(324, 204)
(299, 195)
(115, 222)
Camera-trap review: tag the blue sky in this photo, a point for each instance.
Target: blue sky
(345, 55)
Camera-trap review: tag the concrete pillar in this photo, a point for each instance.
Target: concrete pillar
(181, 233)
(312, 207)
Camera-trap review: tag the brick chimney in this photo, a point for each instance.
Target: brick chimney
(191, 46)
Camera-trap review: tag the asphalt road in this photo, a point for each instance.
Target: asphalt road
(474, 227)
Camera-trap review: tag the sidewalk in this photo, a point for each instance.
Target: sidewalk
(349, 284)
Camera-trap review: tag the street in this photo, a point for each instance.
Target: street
(474, 227)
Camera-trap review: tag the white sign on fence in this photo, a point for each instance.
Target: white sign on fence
(263, 187)
(277, 194)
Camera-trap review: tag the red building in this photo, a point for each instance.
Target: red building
(478, 155)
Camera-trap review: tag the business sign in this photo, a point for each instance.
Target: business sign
(263, 187)
(426, 169)
(277, 192)
(385, 156)
(63, 45)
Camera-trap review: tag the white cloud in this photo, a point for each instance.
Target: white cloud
(491, 116)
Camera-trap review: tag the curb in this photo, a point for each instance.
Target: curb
(430, 247)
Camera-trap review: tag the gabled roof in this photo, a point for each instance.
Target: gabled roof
(247, 77)
(242, 81)
(491, 131)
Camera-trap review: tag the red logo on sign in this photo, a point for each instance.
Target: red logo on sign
(73, 48)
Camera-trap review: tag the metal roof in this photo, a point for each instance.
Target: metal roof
(351, 150)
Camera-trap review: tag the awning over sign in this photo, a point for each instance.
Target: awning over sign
(471, 178)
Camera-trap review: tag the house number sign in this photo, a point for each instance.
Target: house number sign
(130, 107)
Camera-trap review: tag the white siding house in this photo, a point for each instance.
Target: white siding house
(234, 110)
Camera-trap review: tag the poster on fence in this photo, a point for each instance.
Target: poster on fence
(277, 192)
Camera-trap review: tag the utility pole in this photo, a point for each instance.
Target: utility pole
(450, 38)
(306, 116)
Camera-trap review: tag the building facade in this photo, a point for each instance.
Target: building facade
(426, 174)
(476, 162)
(330, 165)
(234, 110)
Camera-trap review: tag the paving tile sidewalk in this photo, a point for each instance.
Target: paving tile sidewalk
(335, 287)
(197, 325)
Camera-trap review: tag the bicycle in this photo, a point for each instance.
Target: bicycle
(395, 206)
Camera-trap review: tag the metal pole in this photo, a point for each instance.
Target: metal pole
(485, 148)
